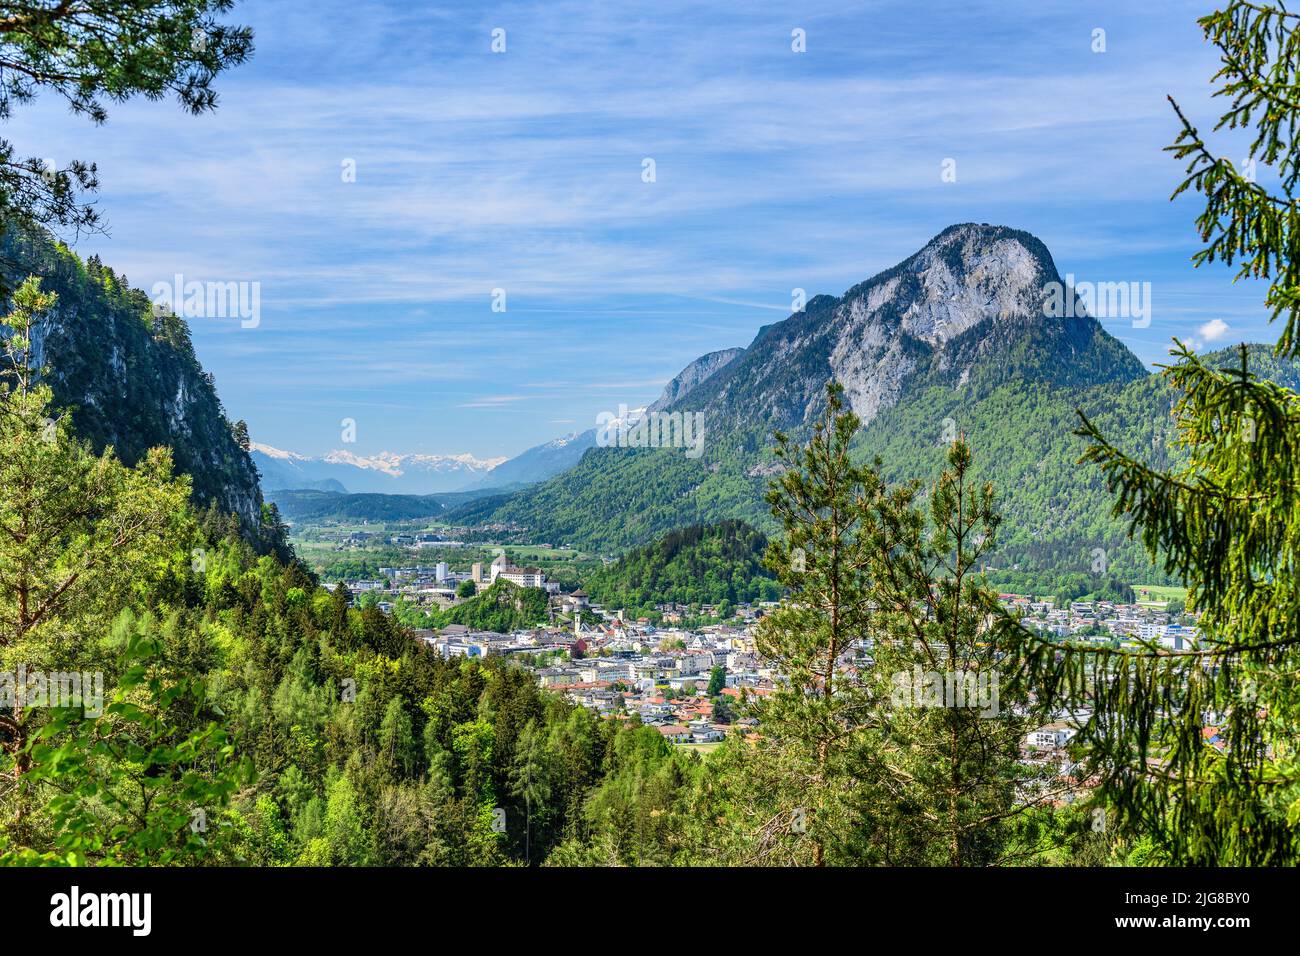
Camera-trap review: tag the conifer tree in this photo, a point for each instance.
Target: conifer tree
(82, 538)
(947, 716)
(530, 782)
(92, 51)
(798, 781)
(77, 531)
(856, 761)
(1197, 747)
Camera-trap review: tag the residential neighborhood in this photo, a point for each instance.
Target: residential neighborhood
(619, 669)
(687, 681)
(1106, 622)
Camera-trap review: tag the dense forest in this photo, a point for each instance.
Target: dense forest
(307, 506)
(717, 564)
(248, 715)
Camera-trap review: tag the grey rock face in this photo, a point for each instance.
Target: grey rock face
(971, 294)
(689, 378)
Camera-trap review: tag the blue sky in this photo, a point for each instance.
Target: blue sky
(523, 171)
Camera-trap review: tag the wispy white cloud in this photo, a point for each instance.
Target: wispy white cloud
(522, 171)
(492, 401)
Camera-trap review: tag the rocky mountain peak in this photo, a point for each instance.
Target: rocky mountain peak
(967, 308)
(130, 378)
(965, 275)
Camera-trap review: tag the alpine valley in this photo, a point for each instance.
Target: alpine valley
(945, 570)
(953, 340)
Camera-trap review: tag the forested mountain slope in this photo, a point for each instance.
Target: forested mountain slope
(131, 378)
(954, 340)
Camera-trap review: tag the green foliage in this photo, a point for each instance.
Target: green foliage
(1242, 222)
(950, 762)
(1226, 522)
(702, 564)
(717, 681)
(83, 537)
(809, 721)
(80, 532)
(1195, 749)
(92, 51)
(143, 784)
(502, 607)
(854, 763)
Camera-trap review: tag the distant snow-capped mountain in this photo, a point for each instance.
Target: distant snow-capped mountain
(391, 473)
(386, 472)
(540, 462)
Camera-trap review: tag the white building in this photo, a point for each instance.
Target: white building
(524, 577)
(1051, 737)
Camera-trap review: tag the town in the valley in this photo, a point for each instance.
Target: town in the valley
(688, 681)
